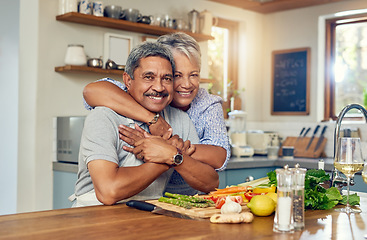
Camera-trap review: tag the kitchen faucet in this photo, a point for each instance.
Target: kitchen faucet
(336, 179)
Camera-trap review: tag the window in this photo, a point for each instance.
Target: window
(346, 64)
(223, 55)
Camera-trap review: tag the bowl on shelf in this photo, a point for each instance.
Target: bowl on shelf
(95, 62)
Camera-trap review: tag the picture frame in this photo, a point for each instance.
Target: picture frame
(291, 82)
(117, 48)
(149, 39)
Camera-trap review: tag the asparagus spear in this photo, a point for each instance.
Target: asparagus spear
(175, 202)
(183, 203)
(187, 198)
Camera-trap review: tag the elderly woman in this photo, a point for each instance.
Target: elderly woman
(204, 109)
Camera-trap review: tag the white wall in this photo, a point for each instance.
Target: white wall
(9, 78)
(45, 94)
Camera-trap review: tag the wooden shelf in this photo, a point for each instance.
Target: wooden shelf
(124, 25)
(86, 69)
(78, 69)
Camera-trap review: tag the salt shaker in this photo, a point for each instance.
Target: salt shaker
(283, 220)
(298, 197)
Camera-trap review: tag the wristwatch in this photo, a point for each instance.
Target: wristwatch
(178, 158)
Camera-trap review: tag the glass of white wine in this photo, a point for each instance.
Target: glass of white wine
(348, 160)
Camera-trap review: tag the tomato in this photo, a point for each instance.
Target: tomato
(250, 195)
(237, 199)
(213, 198)
(220, 201)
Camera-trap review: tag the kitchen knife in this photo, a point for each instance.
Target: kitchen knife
(145, 206)
(318, 144)
(300, 134)
(313, 136)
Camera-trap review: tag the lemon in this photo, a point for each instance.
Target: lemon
(261, 205)
(273, 196)
(264, 189)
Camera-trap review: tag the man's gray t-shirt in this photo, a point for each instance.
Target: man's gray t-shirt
(100, 139)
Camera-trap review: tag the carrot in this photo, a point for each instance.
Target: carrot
(229, 190)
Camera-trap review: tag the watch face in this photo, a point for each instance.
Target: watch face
(178, 159)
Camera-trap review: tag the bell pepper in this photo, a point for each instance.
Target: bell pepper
(250, 195)
(264, 189)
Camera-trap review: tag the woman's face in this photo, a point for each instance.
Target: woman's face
(186, 82)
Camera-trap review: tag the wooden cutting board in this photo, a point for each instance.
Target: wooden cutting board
(193, 212)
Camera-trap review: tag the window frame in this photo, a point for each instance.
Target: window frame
(330, 27)
(233, 42)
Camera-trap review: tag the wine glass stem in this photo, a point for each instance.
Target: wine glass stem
(348, 181)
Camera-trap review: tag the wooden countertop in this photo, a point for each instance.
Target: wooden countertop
(122, 222)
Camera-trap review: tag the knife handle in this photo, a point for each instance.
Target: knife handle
(323, 130)
(303, 129)
(308, 129)
(316, 129)
(141, 205)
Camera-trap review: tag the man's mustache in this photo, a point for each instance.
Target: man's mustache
(156, 94)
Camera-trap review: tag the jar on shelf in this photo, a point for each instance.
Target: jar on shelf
(75, 55)
(66, 6)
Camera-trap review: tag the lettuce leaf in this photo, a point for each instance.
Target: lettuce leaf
(354, 199)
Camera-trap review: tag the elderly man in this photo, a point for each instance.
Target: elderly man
(107, 173)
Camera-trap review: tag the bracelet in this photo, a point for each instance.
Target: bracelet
(154, 120)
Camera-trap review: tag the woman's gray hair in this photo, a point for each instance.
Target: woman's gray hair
(147, 49)
(183, 43)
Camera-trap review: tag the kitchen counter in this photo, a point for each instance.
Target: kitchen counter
(237, 163)
(120, 221)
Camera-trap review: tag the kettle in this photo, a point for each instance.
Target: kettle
(206, 22)
(194, 21)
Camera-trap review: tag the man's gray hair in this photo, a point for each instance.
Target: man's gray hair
(182, 43)
(147, 49)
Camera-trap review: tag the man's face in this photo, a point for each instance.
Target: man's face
(152, 86)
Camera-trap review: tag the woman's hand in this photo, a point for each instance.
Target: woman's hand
(131, 135)
(160, 128)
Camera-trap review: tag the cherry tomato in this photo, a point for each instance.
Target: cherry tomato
(237, 199)
(220, 201)
(213, 198)
(249, 195)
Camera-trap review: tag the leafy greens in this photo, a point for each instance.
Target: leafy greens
(316, 196)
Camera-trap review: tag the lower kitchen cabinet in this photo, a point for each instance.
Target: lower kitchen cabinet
(359, 184)
(235, 176)
(64, 184)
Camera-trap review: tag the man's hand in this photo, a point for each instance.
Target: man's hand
(154, 149)
(188, 148)
(176, 141)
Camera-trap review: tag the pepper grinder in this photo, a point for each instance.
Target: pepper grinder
(283, 220)
(298, 197)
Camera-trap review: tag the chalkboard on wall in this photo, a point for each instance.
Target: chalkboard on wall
(290, 83)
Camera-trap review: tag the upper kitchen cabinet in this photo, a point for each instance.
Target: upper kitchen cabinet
(124, 25)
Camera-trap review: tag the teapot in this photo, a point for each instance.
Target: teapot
(206, 22)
